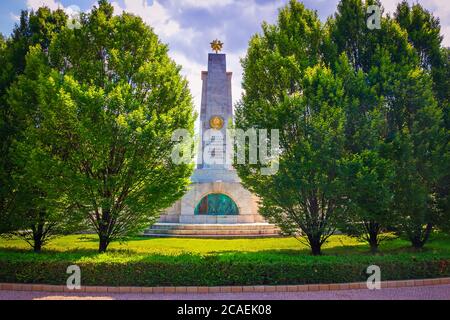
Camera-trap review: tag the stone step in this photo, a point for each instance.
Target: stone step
(212, 227)
(212, 230)
(217, 236)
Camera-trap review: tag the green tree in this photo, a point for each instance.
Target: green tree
(392, 125)
(34, 28)
(300, 97)
(305, 196)
(6, 194)
(369, 174)
(414, 140)
(394, 104)
(369, 186)
(424, 32)
(41, 210)
(282, 54)
(112, 102)
(443, 187)
(417, 149)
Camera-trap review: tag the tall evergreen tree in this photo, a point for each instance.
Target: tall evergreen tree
(300, 97)
(349, 50)
(34, 28)
(41, 210)
(393, 97)
(424, 32)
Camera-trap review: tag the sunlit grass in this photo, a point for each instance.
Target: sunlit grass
(337, 245)
(169, 246)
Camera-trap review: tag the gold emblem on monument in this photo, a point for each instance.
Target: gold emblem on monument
(216, 122)
(217, 45)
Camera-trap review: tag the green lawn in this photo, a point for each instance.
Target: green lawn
(173, 246)
(139, 246)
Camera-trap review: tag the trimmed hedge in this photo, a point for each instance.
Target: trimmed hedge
(226, 269)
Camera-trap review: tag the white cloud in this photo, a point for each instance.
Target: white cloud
(205, 4)
(445, 30)
(438, 7)
(154, 15)
(260, 12)
(14, 17)
(389, 5)
(192, 72)
(234, 65)
(51, 4)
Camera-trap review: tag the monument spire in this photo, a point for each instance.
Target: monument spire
(216, 112)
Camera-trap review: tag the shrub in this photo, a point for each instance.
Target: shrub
(215, 270)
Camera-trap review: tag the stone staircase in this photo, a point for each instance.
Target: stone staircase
(245, 230)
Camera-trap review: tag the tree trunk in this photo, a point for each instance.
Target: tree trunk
(315, 245)
(38, 234)
(373, 230)
(37, 247)
(417, 243)
(373, 246)
(103, 234)
(419, 238)
(103, 245)
(316, 250)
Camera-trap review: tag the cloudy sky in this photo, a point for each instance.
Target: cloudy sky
(188, 26)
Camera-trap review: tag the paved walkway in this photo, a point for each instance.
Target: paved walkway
(438, 292)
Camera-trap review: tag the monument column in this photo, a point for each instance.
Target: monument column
(216, 111)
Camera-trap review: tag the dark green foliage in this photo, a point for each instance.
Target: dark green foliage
(24, 209)
(369, 175)
(227, 269)
(424, 33)
(383, 132)
(305, 102)
(411, 139)
(369, 183)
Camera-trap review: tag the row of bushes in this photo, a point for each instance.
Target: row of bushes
(194, 270)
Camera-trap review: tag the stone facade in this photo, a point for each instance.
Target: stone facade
(183, 211)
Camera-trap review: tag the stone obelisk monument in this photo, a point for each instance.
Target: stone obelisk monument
(216, 205)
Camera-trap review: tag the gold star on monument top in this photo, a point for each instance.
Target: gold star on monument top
(217, 45)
